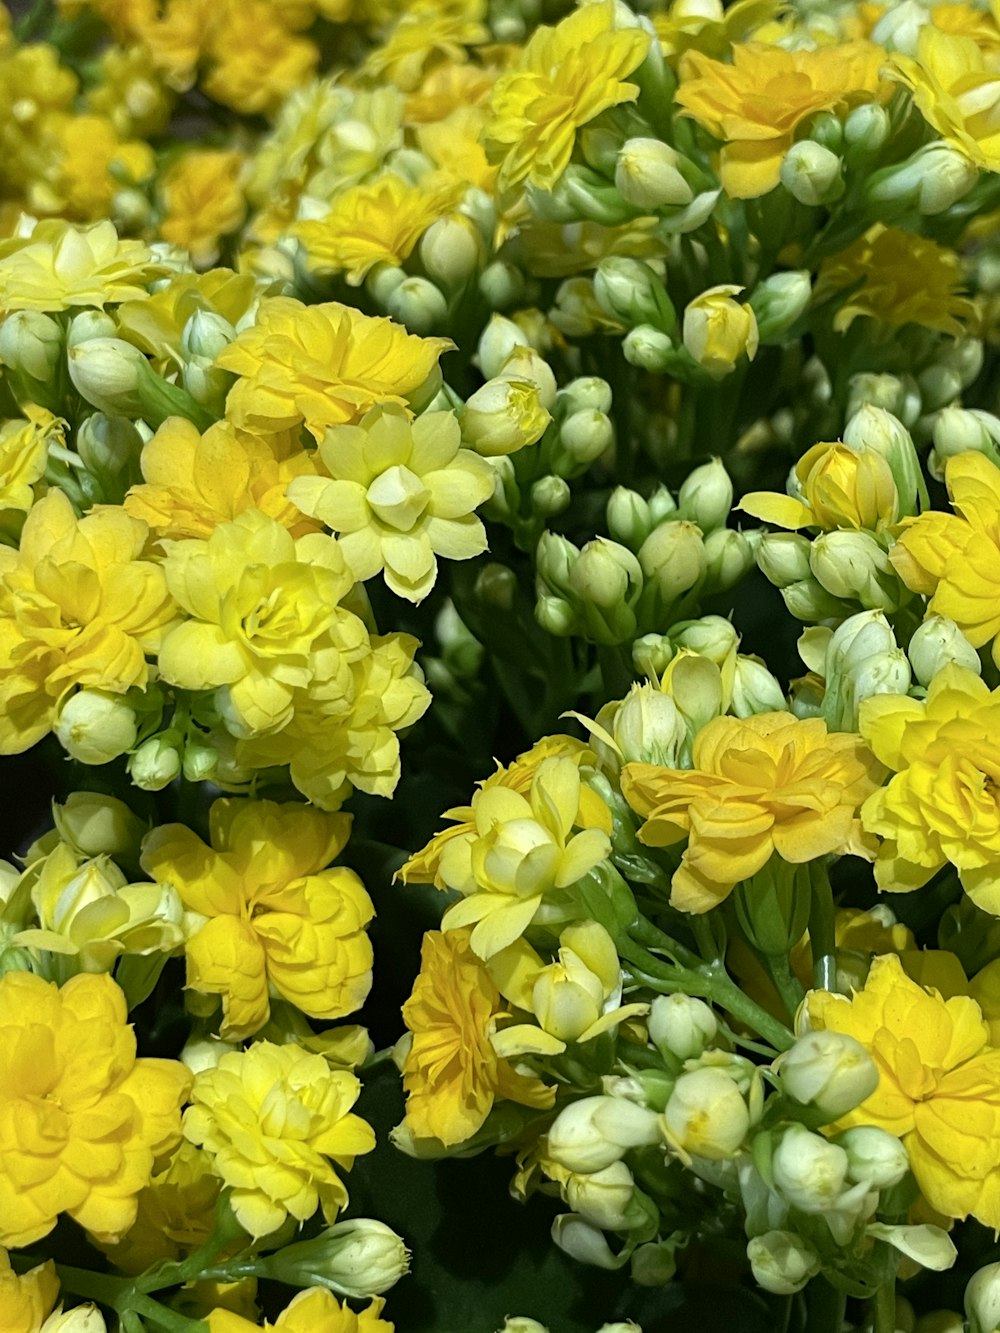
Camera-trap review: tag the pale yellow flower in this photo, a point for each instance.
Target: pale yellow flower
(202, 201)
(275, 1120)
(25, 1299)
(81, 1119)
(425, 36)
(718, 331)
(59, 266)
(324, 364)
(956, 87)
(275, 919)
(839, 487)
(24, 453)
(312, 1311)
(402, 493)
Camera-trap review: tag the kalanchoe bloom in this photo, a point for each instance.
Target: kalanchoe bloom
(311, 1311)
(760, 785)
(24, 446)
(272, 1118)
(59, 267)
(831, 487)
(25, 1299)
(954, 87)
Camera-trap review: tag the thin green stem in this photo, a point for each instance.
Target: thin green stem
(94, 1286)
(162, 1316)
(786, 983)
(885, 1308)
(821, 928)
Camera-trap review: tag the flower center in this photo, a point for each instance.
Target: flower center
(398, 497)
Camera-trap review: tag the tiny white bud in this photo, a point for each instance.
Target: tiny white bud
(95, 727)
(809, 1172)
(782, 1262)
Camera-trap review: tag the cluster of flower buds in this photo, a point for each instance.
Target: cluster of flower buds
(859, 659)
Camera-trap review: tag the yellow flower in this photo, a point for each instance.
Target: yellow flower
(324, 364)
(77, 607)
(24, 452)
(94, 164)
(451, 1073)
(156, 323)
(719, 330)
(262, 607)
(424, 37)
(939, 1084)
(311, 1311)
(955, 558)
(378, 222)
(203, 202)
(955, 86)
(59, 266)
(81, 1119)
(838, 487)
(424, 867)
(25, 1300)
(176, 1213)
(271, 1117)
(195, 482)
(520, 852)
(401, 494)
(756, 104)
(276, 919)
(904, 279)
(563, 78)
(707, 27)
(942, 804)
(254, 61)
(762, 785)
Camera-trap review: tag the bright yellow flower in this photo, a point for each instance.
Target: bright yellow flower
(324, 364)
(454, 144)
(956, 87)
(194, 482)
(942, 804)
(709, 28)
(378, 222)
(447, 89)
(424, 867)
(422, 38)
(254, 61)
(955, 558)
(904, 279)
(203, 202)
(521, 852)
(718, 331)
(401, 494)
(939, 1084)
(838, 487)
(77, 607)
(563, 78)
(762, 785)
(756, 104)
(262, 607)
(451, 1073)
(130, 94)
(94, 163)
(176, 1213)
(24, 452)
(25, 1300)
(59, 266)
(271, 1117)
(81, 1119)
(312, 1311)
(156, 323)
(276, 919)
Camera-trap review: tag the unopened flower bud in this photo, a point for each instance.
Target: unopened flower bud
(501, 285)
(496, 342)
(899, 28)
(934, 178)
(648, 348)
(729, 558)
(646, 726)
(582, 1242)
(451, 250)
(555, 557)
(383, 280)
(673, 559)
(107, 444)
(959, 430)
(78, 1319)
(707, 1115)
(783, 557)
(854, 567)
(755, 689)
(982, 1300)
(419, 305)
(628, 517)
(896, 394)
(604, 573)
(557, 616)
(858, 638)
(520, 1324)
(706, 496)
(866, 130)
(830, 1071)
(503, 416)
(779, 301)
(811, 173)
(655, 1264)
(587, 392)
(938, 643)
(718, 331)
(524, 363)
(874, 1156)
(206, 334)
(602, 1198)
(98, 825)
(155, 764)
(782, 1262)
(681, 1025)
(810, 602)
(809, 1172)
(106, 371)
(550, 496)
(939, 386)
(652, 654)
(95, 727)
(200, 762)
(630, 291)
(32, 342)
(590, 1134)
(647, 175)
(90, 324)
(358, 1258)
(713, 637)
(583, 437)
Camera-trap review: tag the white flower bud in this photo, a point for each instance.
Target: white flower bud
(899, 27)
(583, 1242)
(583, 437)
(959, 430)
(206, 334)
(501, 285)
(810, 602)
(155, 764)
(808, 1171)
(602, 1198)
(652, 654)
(550, 496)
(729, 557)
(94, 727)
(782, 1262)
(982, 1300)
(707, 1115)
(783, 557)
(451, 250)
(681, 1025)
(811, 173)
(648, 348)
(587, 392)
(647, 727)
(419, 305)
(859, 637)
(866, 129)
(938, 643)
(496, 342)
(79, 1319)
(383, 280)
(647, 175)
(358, 1258)
(828, 1070)
(853, 566)
(32, 342)
(90, 324)
(673, 558)
(630, 291)
(874, 1156)
(605, 573)
(706, 496)
(779, 301)
(629, 520)
(200, 762)
(896, 394)
(930, 181)
(713, 637)
(106, 371)
(755, 689)
(590, 1134)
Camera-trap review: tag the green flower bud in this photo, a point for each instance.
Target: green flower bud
(728, 559)
(779, 301)
(830, 1071)
(681, 1026)
(383, 280)
(583, 1242)
(706, 496)
(451, 250)
(810, 602)
(155, 764)
(519, 1324)
(630, 291)
(501, 285)
(586, 195)
(652, 654)
(896, 394)
(648, 348)
(555, 557)
(938, 643)
(782, 1262)
(106, 371)
(812, 174)
(583, 437)
(550, 496)
(673, 560)
(206, 334)
(661, 505)
(589, 392)
(654, 1265)
(419, 305)
(496, 587)
(95, 727)
(828, 131)
(358, 1259)
(853, 566)
(783, 557)
(628, 517)
(866, 130)
(647, 175)
(959, 430)
(90, 324)
(98, 825)
(930, 181)
(108, 445)
(874, 1156)
(557, 616)
(602, 1198)
(200, 762)
(809, 1172)
(707, 1115)
(607, 579)
(31, 342)
(755, 689)
(710, 636)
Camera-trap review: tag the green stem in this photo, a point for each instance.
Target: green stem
(885, 1308)
(162, 1316)
(821, 928)
(94, 1286)
(786, 983)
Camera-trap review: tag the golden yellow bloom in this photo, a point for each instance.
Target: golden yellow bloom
(59, 266)
(942, 804)
(378, 222)
(176, 1213)
(424, 867)
(563, 78)
(955, 558)
(402, 493)
(81, 1119)
(24, 452)
(521, 851)
(454, 144)
(25, 1300)
(78, 606)
(254, 61)
(156, 323)
(324, 364)
(756, 104)
(202, 201)
(451, 1073)
(261, 607)
(718, 330)
(194, 482)
(276, 919)
(94, 163)
(956, 87)
(421, 39)
(839, 487)
(312, 1311)
(708, 28)
(762, 785)
(905, 279)
(939, 1084)
(271, 1117)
